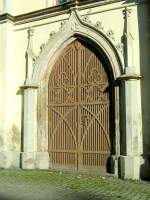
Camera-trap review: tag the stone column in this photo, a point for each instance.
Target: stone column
(131, 128)
(29, 127)
(131, 118)
(30, 158)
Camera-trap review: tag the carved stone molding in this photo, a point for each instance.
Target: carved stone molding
(110, 34)
(120, 47)
(26, 86)
(72, 28)
(99, 25)
(74, 23)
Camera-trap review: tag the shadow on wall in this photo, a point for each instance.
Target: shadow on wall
(21, 93)
(144, 34)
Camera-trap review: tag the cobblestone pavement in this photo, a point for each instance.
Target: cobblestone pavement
(51, 185)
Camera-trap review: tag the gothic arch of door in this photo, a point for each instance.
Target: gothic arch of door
(79, 110)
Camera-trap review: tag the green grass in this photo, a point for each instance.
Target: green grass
(43, 184)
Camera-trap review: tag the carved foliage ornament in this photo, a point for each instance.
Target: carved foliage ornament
(73, 24)
(99, 26)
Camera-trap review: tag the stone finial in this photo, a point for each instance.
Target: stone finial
(127, 12)
(29, 55)
(30, 32)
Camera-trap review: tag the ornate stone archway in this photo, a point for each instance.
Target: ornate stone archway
(35, 147)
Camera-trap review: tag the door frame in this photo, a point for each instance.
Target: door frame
(42, 96)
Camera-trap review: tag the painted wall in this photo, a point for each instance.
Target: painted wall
(17, 7)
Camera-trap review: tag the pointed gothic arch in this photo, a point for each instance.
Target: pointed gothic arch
(73, 29)
(80, 97)
(75, 26)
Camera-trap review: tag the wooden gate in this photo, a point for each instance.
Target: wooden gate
(78, 110)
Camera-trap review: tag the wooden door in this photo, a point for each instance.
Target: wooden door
(78, 110)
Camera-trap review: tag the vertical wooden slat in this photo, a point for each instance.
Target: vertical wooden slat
(79, 109)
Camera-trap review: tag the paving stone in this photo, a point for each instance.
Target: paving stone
(51, 185)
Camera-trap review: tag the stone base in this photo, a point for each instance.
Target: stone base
(114, 165)
(129, 167)
(28, 160)
(35, 160)
(9, 159)
(42, 160)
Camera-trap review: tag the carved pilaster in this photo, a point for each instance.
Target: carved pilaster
(130, 106)
(128, 41)
(30, 56)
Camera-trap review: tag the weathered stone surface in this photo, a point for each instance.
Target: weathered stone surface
(28, 160)
(42, 160)
(9, 159)
(129, 167)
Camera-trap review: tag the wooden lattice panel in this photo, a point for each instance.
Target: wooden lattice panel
(79, 110)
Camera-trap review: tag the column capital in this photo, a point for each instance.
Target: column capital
(126, 77)
(29, 86)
